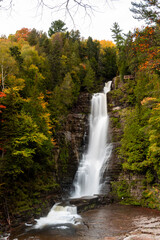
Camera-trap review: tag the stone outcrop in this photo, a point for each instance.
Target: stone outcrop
(74, 136)
(72, 140)
(113, 167)
(128, 186)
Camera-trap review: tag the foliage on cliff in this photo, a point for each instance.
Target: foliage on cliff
(138, 55)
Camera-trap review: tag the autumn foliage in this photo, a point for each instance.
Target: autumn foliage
(42, 79)
(139, 55)
(22, 34)
(2, 94)
(145, 48)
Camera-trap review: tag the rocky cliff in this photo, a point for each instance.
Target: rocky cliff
(72, 140)
(129, 186)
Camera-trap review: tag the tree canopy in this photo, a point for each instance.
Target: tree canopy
(57, 26)
(41, 80)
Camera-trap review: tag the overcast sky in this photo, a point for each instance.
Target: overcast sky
(26, 14)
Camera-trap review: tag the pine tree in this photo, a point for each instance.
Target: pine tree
(148, 10)
(117, 36)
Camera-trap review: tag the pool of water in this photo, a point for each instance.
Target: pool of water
(111, 222)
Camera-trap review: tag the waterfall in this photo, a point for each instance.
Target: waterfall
(59, 216)
(87, 181)
(88, 178)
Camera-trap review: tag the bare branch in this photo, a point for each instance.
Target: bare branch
(6, 5)
(70, 7)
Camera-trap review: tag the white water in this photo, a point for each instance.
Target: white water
(59, 215)
(92, 166)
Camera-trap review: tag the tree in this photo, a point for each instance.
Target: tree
(34, 69)
(15, 52)
(75, 35)
(62, 97)
(2, 94)
(108, 63)
(117, 36)
(93, 52)
(154, 139)
(7, 62)
(148, 10)
(26, 139)
(56, 26)
(54, 58)
(144, 52)
(22, 34)
(33, 37)
(88, 81)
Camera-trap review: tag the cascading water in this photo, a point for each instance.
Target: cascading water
(59, 216)
(91, 168)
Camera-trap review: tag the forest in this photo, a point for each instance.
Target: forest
(138, 55)
(41, 78)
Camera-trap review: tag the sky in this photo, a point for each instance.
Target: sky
(25, 13)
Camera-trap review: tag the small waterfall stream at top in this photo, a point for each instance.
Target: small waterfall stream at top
(88, 178)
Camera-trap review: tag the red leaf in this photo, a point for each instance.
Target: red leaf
(2, 106)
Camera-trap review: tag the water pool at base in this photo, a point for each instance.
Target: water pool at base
(111, 222)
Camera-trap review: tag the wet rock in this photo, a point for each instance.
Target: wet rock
(142, 237)
(90, 202)
(73, 135)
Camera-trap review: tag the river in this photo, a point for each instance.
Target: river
(110, 222)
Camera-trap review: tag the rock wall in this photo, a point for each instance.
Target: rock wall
(72, 141)
(128, 187)
(113, 167)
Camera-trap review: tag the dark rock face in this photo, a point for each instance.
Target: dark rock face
(86, 203)
(133, 182)
(73, 137)
(113, 167)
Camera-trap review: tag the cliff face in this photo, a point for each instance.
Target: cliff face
(113, 167)
(72, 141)
(127, 185)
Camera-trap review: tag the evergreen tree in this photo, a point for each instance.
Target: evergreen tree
(148, 10)
(89, 80)
(108, 66)
(117, 36)
(57, 26)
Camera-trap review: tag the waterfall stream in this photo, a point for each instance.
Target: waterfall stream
(59, 216)
(88, 178)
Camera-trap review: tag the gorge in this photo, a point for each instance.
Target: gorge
(89, 176)
(101, 223)
(44, 134)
